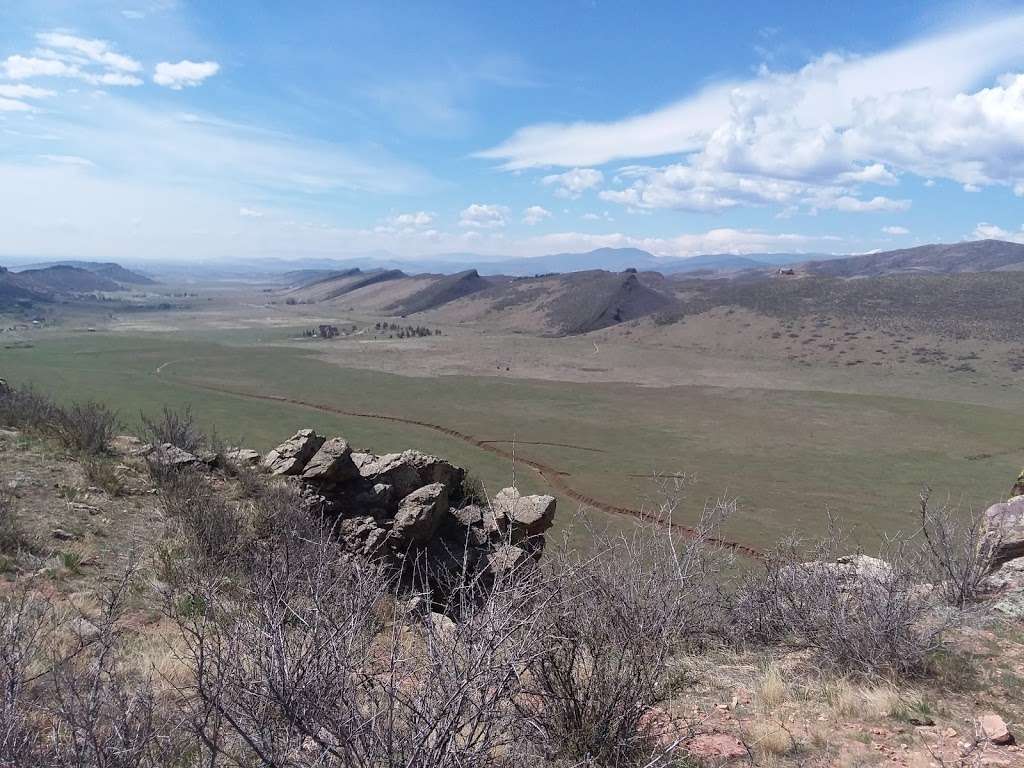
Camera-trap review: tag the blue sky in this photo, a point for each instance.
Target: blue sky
(166, 129)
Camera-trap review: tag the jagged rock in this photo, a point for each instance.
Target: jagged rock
(1018, 486)
(993, 728)
(507, 557)
(420, 513)
(291, 456)
(244, 457)
(172, 457)
(331, 464)
(1004, 523)
(362, 535)
(390, 469)
(431, 469)
(526, 515)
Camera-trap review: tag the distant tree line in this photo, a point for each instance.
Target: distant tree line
(394, 330)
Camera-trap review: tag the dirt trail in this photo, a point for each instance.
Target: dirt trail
(553, 477)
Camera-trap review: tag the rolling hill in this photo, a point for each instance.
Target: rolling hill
(65, 279)
(939, 258)
(108, 269)
(441, 292)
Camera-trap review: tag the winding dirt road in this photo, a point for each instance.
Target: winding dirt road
(555, 478)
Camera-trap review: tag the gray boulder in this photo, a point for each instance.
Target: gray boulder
(244, 457)
(291, 456)
(527, 515)
(420, 514)
(331, 464)
(431, 469)
(1004, 523)
(390, 469)
(507, 558)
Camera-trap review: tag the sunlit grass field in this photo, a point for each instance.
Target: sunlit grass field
(786, 456)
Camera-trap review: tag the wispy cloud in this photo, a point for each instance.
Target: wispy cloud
(813, 137)
(66, 55)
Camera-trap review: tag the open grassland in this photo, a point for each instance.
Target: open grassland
(788, 455)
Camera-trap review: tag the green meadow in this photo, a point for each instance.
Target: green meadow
(787, 456)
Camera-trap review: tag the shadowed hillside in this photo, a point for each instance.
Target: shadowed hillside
(64, 279)
(445, 290)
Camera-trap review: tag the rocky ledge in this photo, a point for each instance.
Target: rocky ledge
(408, 507)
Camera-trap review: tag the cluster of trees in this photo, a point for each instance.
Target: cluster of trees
(394, 330)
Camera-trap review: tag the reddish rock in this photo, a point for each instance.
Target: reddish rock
(715, 747)
(993, 728)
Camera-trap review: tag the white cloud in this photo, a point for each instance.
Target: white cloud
(572, 184)
(68, 160)
(66, 55)
(825, 93)
(417, 219)
(184, 74)
(132, 14)
(535, 214)
(98, 51)
(481, 216)
(250, 213)
(19, 67)
(986, 231)
(21, 91)
(822, 131)
(894, 230)
(877, 203)
(876, 173)
(14, 105)
(1018, 189)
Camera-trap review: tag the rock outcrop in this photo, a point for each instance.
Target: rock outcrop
(401, 508)
(1005, 526)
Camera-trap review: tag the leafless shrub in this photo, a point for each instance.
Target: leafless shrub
(103, 713)
(23, 407)
(863, 616)
(959, 550)
(11, 535)
(210, 529)
(175, 427)
(24, 622)
(86, 427)
(612, 624)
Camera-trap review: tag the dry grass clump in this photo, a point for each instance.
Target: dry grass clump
(103, 474)
(771, 737)
(771, 688)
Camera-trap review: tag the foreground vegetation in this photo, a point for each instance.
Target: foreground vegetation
(264, 643)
